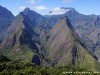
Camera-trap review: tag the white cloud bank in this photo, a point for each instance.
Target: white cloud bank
(67, 1)
(34, 1)
(40, 8)
(58, 11)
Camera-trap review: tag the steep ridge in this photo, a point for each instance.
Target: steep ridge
(28, 39)
(25, 37)
(87, 27)
(21, 42)
(65, 47)
(6, 17)
(41, 24)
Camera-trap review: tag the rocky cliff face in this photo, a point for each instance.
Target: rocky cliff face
(30, 39)
(6, 17)
(24, 38)
(65, 47)
(87, 26)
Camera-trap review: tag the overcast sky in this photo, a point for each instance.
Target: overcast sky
(44, 6)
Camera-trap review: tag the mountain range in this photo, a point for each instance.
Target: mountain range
(87, 27)
(52, 40)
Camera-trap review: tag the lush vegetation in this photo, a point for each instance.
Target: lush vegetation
(21, 68)
(16, 68)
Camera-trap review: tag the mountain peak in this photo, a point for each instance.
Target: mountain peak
(64, 47)
(27, 9)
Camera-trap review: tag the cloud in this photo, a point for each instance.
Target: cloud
(22, 7)
(58, 10)
(41, 8)
(34, 1)
(67, 1)
(40, 0)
